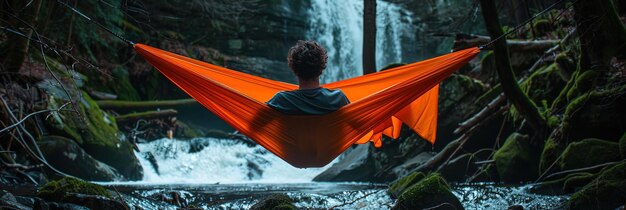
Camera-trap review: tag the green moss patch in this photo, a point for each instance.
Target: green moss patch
(405, 182)
(605, 192)
(274, 202)
(58, 190)
(516, 160)
(431, 191)
(551, 152)
(588, 152)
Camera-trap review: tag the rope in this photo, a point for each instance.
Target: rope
(130, 43)
(522, 24)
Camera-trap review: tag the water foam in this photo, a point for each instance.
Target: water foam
(219, 161)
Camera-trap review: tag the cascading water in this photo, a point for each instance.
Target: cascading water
(209, 160)
(338, 26)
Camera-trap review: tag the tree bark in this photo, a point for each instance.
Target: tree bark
(511, 89)
(369, 36)
(602, 34)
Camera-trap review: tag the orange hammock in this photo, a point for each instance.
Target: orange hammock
(381, 102)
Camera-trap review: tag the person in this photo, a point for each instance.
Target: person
(307, 60)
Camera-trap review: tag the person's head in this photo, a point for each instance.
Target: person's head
(307, 59)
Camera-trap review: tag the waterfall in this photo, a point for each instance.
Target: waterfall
(338, 26)
(209, 160)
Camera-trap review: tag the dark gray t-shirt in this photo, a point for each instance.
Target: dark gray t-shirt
(316, 101)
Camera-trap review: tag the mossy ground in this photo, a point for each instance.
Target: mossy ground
(57, 190)
(605, 192)
(405, 182)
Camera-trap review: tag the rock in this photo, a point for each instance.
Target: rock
(275, 202)
(588, 152)
(65, 155)
(567, 184)
(58, 190)
(432, 192)
(515, 207)
(366, 163)
(97, 133)
(516, 160)
(26, 201)
(356, 165)
(551, 152)
(544, 85)
(622, 146)
(94, 201)
(7, 200)
(403, 183)
(65, 206)
(604, 192)
(594, 115)
(40, 204)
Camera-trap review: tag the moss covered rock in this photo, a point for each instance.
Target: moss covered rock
(605, 192)
(567, 184)
(97, 133)
(588, 152)
(57, 190)
(544, 85)
(64, 154)
(403, 183)
(274, 202)
(118, 84)
(551, 152)
(517, 159)
(429, 192)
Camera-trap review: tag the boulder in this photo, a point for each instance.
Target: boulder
(399, 186)
(432, 192)
(516, 160)
(594, 115)
(7, 200)
(97, 133)
(552, 150)
(274, 202)
(589, 152)
(356, 165)
(58, 190)
(604, 192)
(65, 155)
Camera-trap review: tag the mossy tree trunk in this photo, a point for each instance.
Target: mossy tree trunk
(601, 32)
(511, 89)
(369, 36)
(17, 46)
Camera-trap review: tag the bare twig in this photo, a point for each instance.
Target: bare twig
(581, 169)
(35, 113)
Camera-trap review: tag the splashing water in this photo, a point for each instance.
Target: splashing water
(338, 26)
(209, 161)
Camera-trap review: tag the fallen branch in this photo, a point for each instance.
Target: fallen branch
(464, 41)
(116, 104)
(590, 168)
(146, 115)
(481, 115)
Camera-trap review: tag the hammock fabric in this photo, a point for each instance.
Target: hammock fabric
(381, 102)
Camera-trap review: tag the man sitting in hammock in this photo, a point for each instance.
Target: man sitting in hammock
(307, 59)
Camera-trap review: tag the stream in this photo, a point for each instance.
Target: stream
(228, 174)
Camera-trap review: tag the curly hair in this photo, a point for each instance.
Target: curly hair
(307, 59)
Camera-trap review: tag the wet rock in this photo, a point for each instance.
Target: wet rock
(40, 204)
(432, 192)
(356, 165)
(516, 160)
(275, 202)
(93, 201)
(589, 152)
(412, 163)
(604, 192)
(153, 162)
(515, 207)
(404, 183)
(9, 201)
(544, 85)
(65, 155)
(58, 190)
(97, 133)
(568, 184)
(65, 206)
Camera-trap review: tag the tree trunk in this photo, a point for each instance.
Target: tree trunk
(513, 93)
(369, 36)
(602, 34)
(17, 47)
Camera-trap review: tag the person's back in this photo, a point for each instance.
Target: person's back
(307, 59)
